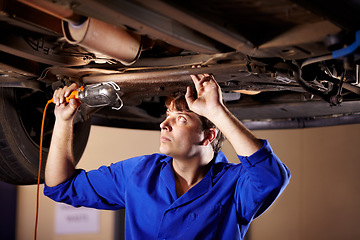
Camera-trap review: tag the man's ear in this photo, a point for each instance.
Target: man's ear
(210, 136)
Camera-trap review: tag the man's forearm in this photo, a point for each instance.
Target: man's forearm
(60, 162)
(243, 141)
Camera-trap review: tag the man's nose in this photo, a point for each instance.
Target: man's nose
(166, 125)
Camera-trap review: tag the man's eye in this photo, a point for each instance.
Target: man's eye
(181, 119)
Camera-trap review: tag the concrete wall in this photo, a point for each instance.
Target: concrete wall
(321, 201)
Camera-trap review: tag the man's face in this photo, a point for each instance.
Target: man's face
(181, 134)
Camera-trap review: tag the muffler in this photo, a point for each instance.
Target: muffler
(98, 37)
(106, 39)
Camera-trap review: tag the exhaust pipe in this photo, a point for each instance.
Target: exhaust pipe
(60, 10)
(104, 38)
(92, 34)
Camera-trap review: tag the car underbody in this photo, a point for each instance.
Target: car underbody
(280, 63)
(268, 56)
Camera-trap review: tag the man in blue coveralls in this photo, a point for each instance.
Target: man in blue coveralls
(189, 191)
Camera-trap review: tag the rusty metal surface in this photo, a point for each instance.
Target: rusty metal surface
(56, 10)
(170, 74)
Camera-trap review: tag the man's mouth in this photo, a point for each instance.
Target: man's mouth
(164, 139)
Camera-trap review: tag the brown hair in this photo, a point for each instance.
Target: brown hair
(180, 104)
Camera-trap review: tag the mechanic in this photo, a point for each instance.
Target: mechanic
(189, 191)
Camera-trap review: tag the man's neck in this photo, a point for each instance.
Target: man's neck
(189, 172)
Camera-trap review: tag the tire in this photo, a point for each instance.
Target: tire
(20, 125)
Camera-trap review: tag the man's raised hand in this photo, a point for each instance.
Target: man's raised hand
(209, 97)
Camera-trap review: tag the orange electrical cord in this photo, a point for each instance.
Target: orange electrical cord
(39, 172)
(73, 94)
